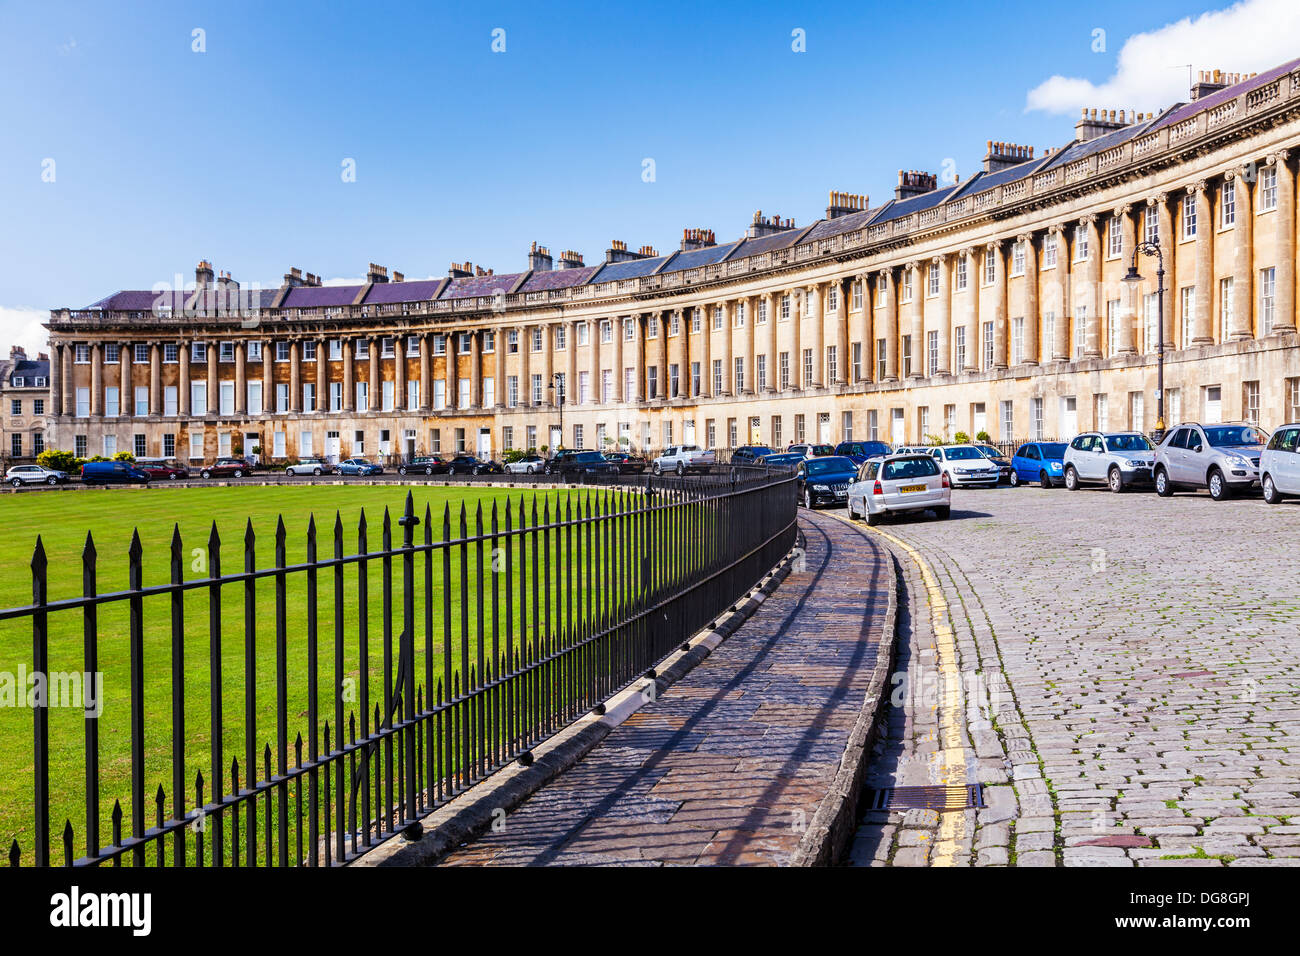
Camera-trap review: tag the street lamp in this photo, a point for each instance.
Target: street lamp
(558, 393)
(1149, 248)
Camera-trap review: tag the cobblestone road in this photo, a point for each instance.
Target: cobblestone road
(731, 763)
(1127, 673)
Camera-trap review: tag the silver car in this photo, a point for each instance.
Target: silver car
(1223, 458)
(20, 475)
(967, 465)
(906, 482)
(1279, 465)
(1115, 459)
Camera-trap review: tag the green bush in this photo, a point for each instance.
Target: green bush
(984, 437)
(961, 438)
(124, 456)
(512, 455)
(57, 460)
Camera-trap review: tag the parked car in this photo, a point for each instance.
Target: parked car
(309, 466)
(860, 451)
(359, 467)
(226, 468)
(112, 473)
(682, 459)
(749, 454)
(422, 465)
(168, 468)
(914, 450)
(20, 475)
(812, 451)
(782, 459)
(1117, 459)
(999, 459)
(574, 464)
(824, 480)
(897, 483)
(1223, 458)
(1279, 465)
(530, 464)
(628, 464)
(965, 465)
(472, 465)
(1040, 461)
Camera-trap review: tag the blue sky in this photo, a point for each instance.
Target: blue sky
(163, 155)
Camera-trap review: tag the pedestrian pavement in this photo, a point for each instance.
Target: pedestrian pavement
(729, 765)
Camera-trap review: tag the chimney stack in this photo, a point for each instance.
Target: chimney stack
(1093, 123)
(398, 277)
(539, 258)
(619, 252)
(570, 259)
(461, 270)
(1005, 155)
(697, 239)
(377, 273)
(293, 278)
(841, 204)
(203, 275)
(914, 183)
(767, 225)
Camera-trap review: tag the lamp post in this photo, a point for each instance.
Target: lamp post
(557, 398)
(1149, 248)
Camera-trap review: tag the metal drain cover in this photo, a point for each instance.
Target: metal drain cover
(966, 797)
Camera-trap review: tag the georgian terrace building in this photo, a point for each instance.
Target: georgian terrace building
(990, 304)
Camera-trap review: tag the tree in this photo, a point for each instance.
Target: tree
(961, 438)
(984, 437)
(57, 460)
(124, 456)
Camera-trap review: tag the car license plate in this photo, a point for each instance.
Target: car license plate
(910, 488)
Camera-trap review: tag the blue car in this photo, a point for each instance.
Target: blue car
(1040, 461)
(860, 451)
(112, 473)
(359, 467)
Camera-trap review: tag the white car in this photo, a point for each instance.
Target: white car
(1116, 459)
(913, 449)
(1279, 465)
(900, 482)
(528, 465)
(966, 465)
(681, 459)
(310, 466)
(20, 475)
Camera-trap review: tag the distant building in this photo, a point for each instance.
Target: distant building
(24, 404)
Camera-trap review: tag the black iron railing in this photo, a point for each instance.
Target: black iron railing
(496, 628)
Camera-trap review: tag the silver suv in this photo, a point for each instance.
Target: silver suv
(1119, 459)
(1223, 458)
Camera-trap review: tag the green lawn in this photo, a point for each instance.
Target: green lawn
(63, 519)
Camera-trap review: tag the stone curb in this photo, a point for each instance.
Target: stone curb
(833, 825)
(474, 812)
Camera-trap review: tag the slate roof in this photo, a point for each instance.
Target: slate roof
(384, 293)
(905, 207)
(842, 224)
(469, 288)
(632, 269)
(1183, 111)
(27, 369)
(558, 279)
(696, 258)
(318, 296)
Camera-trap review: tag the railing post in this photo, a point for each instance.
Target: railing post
(40, 713)
(408, 521)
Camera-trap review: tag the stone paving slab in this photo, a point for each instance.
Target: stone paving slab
(731, 763)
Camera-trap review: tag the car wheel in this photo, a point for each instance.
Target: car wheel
(681, 469)
(530, 470)
(16, 482)
(1115, 480)
(1218, 487)
(657, 469)
(1044, 479)
(1271, 494)
(1071, 479)
(943, 513)
(205, 473)
(173, 476)
(51, 480)
(1015, 478)
(401, 470)
(808, 500)
(1163, 487)
(239, 473)
(874, 519)
(315, 471)
(475, 470)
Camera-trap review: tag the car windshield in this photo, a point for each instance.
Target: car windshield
(360, 461)
(758, 450)
(1127, 443)
(1054, 450)
(988, 451)
(1232, 436)
(919, 467)
(864, 448)
(963, 454)
(588, 456)
(822, 450)
(829, 465)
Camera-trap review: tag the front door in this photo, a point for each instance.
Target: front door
(252, 440)
(896, 432)
(332, 447)
(485, 443)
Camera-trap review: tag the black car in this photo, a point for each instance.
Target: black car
(470, 465)
(423, 465)
(825, 480)
(627, 464)
(782, 459)
(572, 464)
(749, 454)
(999, 459)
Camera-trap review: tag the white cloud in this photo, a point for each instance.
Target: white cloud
(22, 326)
(1151, 69)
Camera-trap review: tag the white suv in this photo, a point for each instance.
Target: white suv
(683, 458)
(1116, 459)
(1279, 465)
(20, 475)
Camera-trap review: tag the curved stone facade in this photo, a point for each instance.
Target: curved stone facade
(995, 304)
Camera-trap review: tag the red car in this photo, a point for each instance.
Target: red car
(226, 468)
(168, 468)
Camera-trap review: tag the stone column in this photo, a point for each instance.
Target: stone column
(155, 378)
(426, 372)
(1243, 265)
(525, 366)
(945, 315)
(69, 379)
(374, 388)
(972, 312)
(399, 373)
(594, 367)
(241, 381)
(548, 367)
(322, 375)
(1000, 321)
(865, 332)
(96, 380)
(1090, 296)
(1284, 313)
(661, 355)
(773, 343)
(749, 336)
(295, 378)
(728, 352)
(706, 350)
(1058, 350)
(918, 320)
(499, 370)
(620, 325)
(1033, 310)
(1130, 311)
(638, 359)
(125, 393)
(56, 379)
(796, 339)
(844, 360)
(571, 394)
(1204, 328)
(214, 389)
(268, 376)
(475, 369)
(890, 330)
(1165, 227)
(183, 385)
(817, 295)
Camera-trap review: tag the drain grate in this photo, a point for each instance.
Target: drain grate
(966, 797)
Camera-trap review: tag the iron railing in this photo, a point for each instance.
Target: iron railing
(525, 615)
